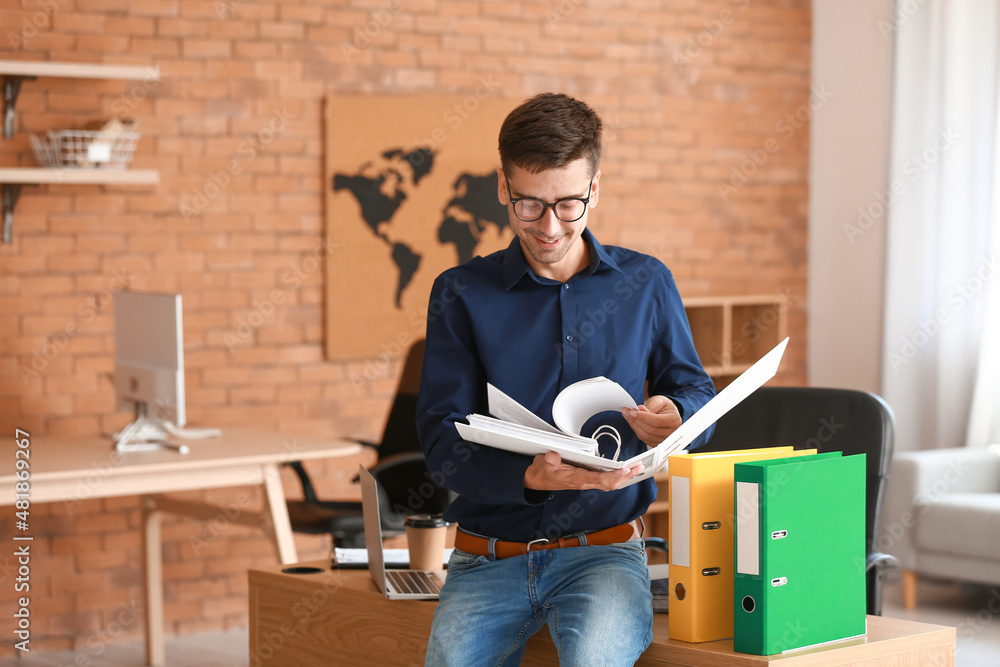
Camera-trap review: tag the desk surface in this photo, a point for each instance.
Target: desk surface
(87, 467)
(373, 629)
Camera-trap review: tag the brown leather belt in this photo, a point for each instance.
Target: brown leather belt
(480, 546)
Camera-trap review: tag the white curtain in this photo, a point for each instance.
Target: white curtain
(984, 419)
(941, 262)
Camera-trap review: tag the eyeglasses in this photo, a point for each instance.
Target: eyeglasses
(570, 209)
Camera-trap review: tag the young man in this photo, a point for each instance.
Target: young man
(542, 542)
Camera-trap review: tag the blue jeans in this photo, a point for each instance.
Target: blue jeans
(595, 600)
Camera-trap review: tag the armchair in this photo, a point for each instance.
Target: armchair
(942, 516)
(852, 422)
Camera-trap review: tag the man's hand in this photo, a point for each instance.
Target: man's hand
(549, 473)
(655, 420)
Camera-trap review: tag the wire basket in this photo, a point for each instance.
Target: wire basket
(85, 149)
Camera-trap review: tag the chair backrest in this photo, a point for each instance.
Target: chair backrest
(400, 434)
(408, 484)
(409, 488)
(830, 420)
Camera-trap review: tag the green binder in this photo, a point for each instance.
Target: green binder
(799, 552)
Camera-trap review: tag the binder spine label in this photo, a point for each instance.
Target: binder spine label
(747, 528)
(680, 521)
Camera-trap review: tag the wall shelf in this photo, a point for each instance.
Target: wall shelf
(11, 180)
(39, 176)
(78, 70)
(14, 73)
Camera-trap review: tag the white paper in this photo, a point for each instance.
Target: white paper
(532, 444)
(390, 556)
(725, 400)
(653, 460)
(582, 400)
(506, 408)
(98, 151)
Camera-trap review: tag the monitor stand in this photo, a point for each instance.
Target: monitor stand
(147, 433)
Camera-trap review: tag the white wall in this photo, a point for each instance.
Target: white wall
(848, 170)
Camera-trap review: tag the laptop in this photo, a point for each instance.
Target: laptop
(396, 584)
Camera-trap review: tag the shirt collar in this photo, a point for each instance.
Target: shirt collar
(515, 266)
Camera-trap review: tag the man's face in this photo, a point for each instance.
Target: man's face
(552, 247)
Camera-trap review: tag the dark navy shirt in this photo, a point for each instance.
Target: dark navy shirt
(494, 320)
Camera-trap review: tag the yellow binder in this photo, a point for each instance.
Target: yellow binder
(701, 526)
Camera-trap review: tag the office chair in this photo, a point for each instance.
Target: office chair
(829, 420)
(404, 483)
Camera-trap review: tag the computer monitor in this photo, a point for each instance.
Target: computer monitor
(149, 366)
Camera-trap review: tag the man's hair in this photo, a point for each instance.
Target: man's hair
(548, 131)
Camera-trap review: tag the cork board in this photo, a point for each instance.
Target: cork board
(411, 189)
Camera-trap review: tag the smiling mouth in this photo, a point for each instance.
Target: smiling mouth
(548, 245)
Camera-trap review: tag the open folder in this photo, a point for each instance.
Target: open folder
(532, 440)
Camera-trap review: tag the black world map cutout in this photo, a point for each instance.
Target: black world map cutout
(410, 190)
(381, 188)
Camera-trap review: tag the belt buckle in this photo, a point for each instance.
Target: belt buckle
(540, 540)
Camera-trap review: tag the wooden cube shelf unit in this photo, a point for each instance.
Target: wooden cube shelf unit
(732, 332)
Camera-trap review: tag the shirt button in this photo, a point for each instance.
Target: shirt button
(569, 338)
(565, 286)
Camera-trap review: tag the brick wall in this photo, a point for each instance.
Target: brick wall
(707, 106)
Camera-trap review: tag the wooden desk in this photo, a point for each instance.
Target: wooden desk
(339, 617)
(69, 470)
